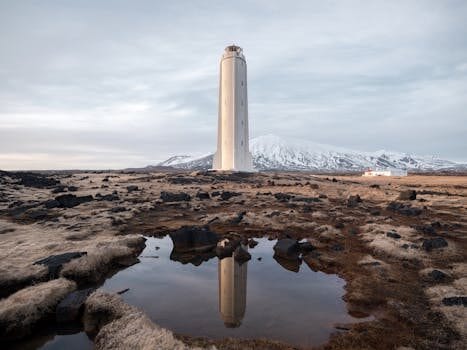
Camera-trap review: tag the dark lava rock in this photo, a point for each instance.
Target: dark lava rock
(175, 197)
(404, 209)
(290, 264)
(107, 197)
(194, 238)
(409, 195)
(72, 188)
(36, 180)
(322, 196)
(17, 211)
(434, 243)
(438, 276)
(59, 189)
(454, 301)
(353, 201)
(118, 209)
(426, 229)
(286, 248)
(55, 262)
(238, 218)
(283, 197)
(194, 258)
(216, 194)
(339, 224)
(70, 200)
(305, 247)
(337, 247)
(374, 186)
(353, 231)
(226, 195)
(132, 188)
(252, 243)
(39, 214)
(71, 308)
(203, 195)
(52, 203)
(436, 225)
(306, 199)
(375, 212)
(393, 234)
(334, 179)
(116, 221)
(241, 255)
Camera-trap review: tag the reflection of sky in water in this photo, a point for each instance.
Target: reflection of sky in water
(299, 308)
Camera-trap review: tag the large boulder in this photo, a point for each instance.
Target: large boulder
(287, 248)
(194, 238)
(70, 200)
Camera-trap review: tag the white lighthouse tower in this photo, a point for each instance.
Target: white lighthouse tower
(233, 151)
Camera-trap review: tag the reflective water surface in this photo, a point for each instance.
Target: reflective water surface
(201, 295)
(223, 298)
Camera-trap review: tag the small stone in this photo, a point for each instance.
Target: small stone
(353, 201)
(434, 243)
(455, 301)
(132, 188)
(438, 276)
(393, 234)
(408, 195)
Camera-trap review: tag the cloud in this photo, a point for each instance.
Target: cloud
(117, 84)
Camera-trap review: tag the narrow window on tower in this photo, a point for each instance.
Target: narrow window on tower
(242, 143)
(242, 82)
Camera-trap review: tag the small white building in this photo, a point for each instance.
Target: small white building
(386, 172)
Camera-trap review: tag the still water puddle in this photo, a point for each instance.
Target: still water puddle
(261, 298)
(222, 298)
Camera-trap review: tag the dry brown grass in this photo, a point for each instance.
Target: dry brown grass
(121, 326)
(21, 310)
(102, 258)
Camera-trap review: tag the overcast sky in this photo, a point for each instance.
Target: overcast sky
(112, 84)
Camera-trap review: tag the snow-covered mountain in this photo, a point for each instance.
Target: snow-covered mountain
(275, 153)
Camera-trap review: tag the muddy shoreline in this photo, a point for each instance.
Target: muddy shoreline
(403, 258)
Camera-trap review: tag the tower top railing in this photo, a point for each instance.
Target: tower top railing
(234, 48)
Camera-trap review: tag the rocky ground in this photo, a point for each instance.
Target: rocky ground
(399, 243)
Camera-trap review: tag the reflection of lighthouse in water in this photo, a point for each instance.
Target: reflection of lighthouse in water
(232, 291)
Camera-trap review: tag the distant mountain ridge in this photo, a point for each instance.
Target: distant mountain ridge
(271, 152)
